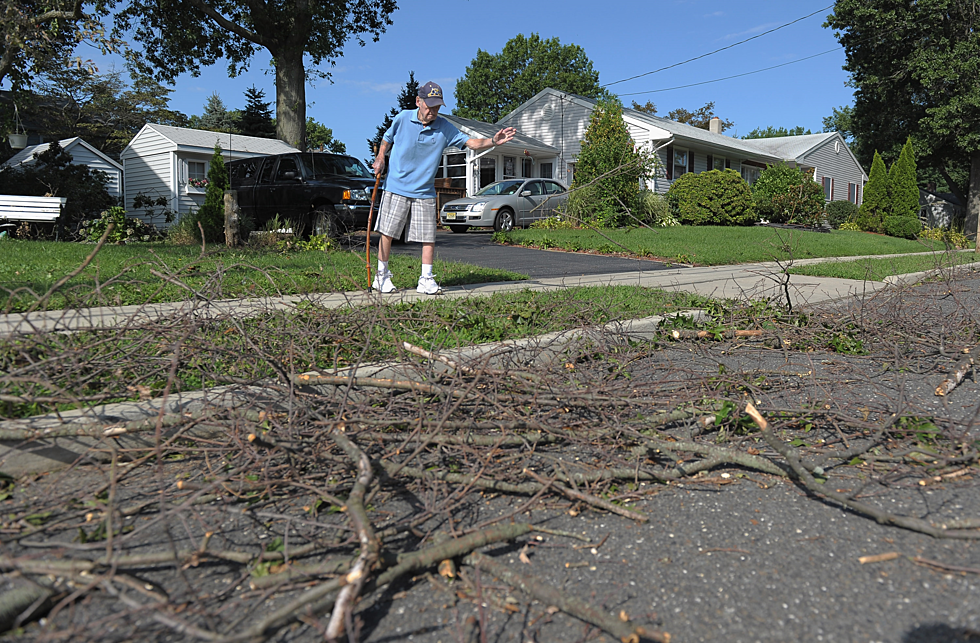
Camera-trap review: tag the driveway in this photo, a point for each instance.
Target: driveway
(476, 247)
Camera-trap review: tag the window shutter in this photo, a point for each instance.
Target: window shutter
(728, 164)
(711, 162)
(670, 162)
(690, 161)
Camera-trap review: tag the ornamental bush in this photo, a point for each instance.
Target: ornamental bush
(875, 205)
(126, 229)
(903, 227)
(786, 194)
(839, 212)
(903, 184)
(716, 197)
(211, 215)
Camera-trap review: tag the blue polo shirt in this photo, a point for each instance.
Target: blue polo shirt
(416, 153)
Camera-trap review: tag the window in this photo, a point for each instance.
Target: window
(852, 193)
(266, 175)
(196, 170)
(287, 165)
(718, 163)
(828, 188)
(680, 162)
(454, 167)
(488, 171)
(535, 188)
(547, 170)
(750, 174)
(527, 168)
(551, 187)
(510, 167)
(245, 172)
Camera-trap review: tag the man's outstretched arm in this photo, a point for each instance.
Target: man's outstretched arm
(503, 136)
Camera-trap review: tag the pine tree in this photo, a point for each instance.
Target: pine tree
(406, 100)
(211, 216)
(608, 148)
(216, 117)
(256, 119)
(875, 206)
(903, 186)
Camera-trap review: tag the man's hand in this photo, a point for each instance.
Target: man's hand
(503, 136)
(379, 165)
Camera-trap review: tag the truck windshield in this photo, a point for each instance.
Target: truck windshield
(334, 165)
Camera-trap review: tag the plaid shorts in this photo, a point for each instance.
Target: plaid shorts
(395, 208)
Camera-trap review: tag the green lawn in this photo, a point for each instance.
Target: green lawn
(878, 269)
(155, 272)
(716, 245)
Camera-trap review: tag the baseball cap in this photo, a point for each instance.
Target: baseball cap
(431, 94)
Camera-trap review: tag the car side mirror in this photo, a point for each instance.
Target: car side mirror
(526, 193)
(289, 175)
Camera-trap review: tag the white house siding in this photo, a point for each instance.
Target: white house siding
(146, 164)
(80, 155)
(555, 121)
(187, 202)
(840, 166)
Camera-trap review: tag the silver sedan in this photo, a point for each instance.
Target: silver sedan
(505, 205)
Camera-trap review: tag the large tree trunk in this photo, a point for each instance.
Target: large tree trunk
(291, 97)
(973, 200)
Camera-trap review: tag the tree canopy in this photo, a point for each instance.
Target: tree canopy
(776, 132)
(216, 117)
(700, 117)
(406, 100)
(496, 84)
(840, 120)
(256, 118)
(320, 137)
(914, 67)
(181, 36)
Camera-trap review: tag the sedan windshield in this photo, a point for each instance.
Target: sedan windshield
(501, 187)
(331, 165)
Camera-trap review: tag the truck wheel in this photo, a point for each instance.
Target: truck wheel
(459, 228)
(324, 221)
(504, 221)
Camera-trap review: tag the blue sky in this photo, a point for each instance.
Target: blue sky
(439, 38)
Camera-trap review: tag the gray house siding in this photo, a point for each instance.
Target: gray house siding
(556, 121)
(839, 165)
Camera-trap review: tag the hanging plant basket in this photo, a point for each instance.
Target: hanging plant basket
(17, 141)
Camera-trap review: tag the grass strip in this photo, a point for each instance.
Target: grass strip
(157, 272)
(718, 245)
(872, 269)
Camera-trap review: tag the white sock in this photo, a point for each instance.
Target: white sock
(427, 270)
(382, 267)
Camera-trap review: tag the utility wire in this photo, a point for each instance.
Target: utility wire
(748, 73)
(710, 53)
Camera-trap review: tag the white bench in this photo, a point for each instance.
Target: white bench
(36, 209)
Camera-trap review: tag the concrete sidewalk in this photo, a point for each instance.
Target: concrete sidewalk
(745, 281)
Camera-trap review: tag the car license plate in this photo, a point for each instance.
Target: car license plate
(450, 216)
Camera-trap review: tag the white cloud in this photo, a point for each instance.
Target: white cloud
(749, 32)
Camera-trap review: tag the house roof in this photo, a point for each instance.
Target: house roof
(187, 138)
(487, 130)
(792, 147)
(26, 155)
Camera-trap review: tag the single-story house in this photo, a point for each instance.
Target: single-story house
(81, 154)
(522, 157)
(560, 120)
(940, 209)
(167, 161)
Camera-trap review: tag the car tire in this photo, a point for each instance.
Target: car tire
(459, 228)
(504, 221)
(324, 221)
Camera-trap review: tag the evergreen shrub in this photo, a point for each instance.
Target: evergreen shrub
(786, 194)
(902, 227)
(211, 215)
(839, 212)
(716, 197)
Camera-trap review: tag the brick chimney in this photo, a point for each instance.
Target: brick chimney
(714, 125)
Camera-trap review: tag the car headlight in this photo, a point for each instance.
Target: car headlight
(478, 207)
(360, 195)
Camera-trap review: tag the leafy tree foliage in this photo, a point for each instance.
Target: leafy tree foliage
(216, 117)
(608, 151)
(875, 206)
(646, 108)
(406, 100)
(914, 67)
(320, 137)
(776, 132)
(785, 194)
(256, 118)
(903, 187)
(716, 197)
(841, 120)
(180, 36)
(700, 117)
(54, 173)
(100, 108)
(495, 84)
(37, 31)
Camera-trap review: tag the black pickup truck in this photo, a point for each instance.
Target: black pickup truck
(315, 192)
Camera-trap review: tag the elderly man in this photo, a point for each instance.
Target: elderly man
(417, 138)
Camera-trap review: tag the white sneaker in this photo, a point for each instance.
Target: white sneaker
(382, 283)
(428, 286)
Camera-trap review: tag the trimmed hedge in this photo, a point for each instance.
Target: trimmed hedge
(716, 197)
(786, 194)
(839, 212)
(903, 227)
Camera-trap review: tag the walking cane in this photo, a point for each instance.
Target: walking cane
(374, 194)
